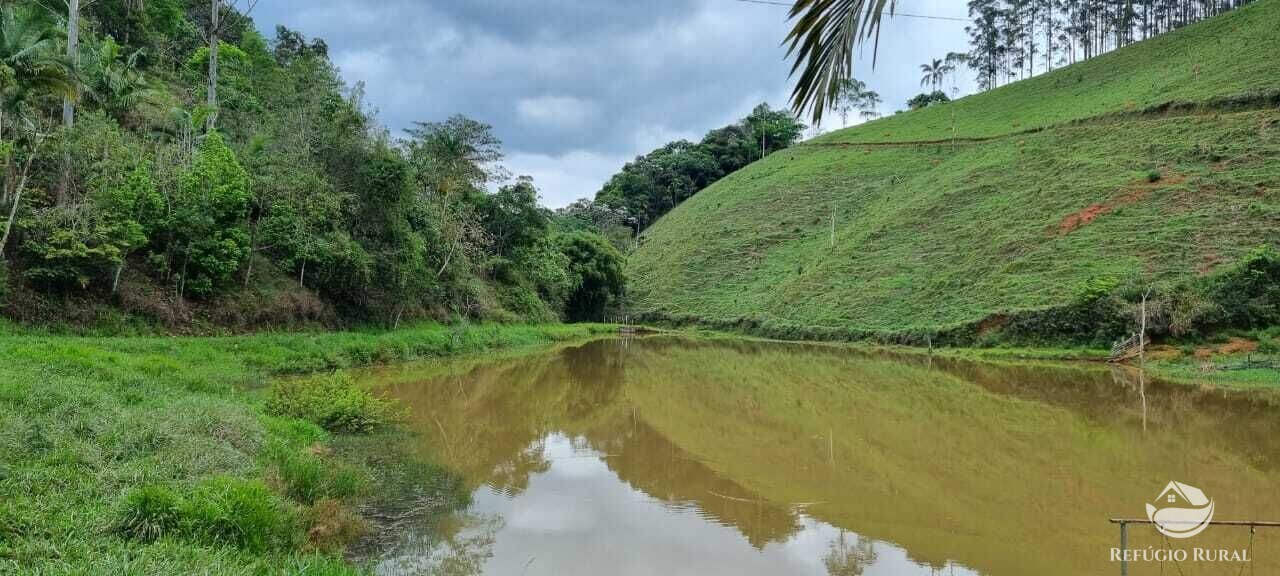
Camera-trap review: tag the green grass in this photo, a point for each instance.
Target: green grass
(935, 236)
(157, 455)
(1228, 56)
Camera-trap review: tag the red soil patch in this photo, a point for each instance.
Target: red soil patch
(992, 323)
(1131, 194)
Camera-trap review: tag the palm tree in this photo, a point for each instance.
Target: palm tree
(30, 69)
(871, 104)
(113, 79)
(934, 74)
(30, 66)
(954, 60)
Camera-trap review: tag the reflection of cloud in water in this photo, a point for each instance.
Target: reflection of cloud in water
(578, 517)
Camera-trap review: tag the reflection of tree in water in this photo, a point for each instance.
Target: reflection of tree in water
(510, 475)
(849, 555)
(597, 370)
(460, 547)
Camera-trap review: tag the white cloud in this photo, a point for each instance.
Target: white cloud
(564, 178)
(563, 112)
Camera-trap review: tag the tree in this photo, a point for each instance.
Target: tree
(871, 104)
(927, 99)
(852, 91)
(455, 159)
(208, 220)
(597, 271)
(653, 184)
(114, 81)
(30, 70)
(221, 18)
(513, 217)
(30, 67)
(934, 74)
(953, 62)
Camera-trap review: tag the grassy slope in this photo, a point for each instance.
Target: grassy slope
(1221, 57)
(84, 420)
(938, 235)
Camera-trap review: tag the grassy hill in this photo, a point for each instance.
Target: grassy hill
(1155, 164)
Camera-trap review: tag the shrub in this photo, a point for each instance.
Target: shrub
(333, 401)
(1244, 296)
(149, 513)
(1153, 176)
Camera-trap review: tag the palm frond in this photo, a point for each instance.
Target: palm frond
(823, 42)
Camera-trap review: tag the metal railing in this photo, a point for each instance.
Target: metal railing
(1125, 522)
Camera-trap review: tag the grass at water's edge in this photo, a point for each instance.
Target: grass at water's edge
(1182, 369)
(156, 455)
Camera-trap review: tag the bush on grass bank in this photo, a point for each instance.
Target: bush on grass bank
(333, 401)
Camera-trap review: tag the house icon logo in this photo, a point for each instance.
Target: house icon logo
(1181, 511)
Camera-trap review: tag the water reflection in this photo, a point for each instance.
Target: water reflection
(579, 516)
(665, 456)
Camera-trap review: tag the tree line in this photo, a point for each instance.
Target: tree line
(1008, 38)
(165, 155)
(1015, 39)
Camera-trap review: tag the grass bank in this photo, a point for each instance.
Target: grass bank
(1217, 361)
(156, 455)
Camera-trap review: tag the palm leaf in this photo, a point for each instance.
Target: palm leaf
(823, 42)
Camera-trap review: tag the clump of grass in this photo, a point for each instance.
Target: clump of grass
(1153, 176)
(149, 513)
(222, 509)
(307, 478)
(334, 401)
(243, 513)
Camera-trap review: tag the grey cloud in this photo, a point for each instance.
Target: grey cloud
(582, 79)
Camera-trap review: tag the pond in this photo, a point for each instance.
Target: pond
(664, 455)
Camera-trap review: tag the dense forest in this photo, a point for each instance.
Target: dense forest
(168, 160)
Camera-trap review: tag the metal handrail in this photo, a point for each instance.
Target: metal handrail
(1125, 522)
(1258, 523)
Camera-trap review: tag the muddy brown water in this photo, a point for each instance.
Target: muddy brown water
(663, 455)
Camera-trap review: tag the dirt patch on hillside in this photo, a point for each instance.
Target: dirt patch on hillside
(1130, 194)
(991, 324)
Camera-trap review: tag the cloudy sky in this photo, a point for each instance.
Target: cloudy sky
(576, 88)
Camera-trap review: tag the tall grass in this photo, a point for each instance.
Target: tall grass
(158, 456)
